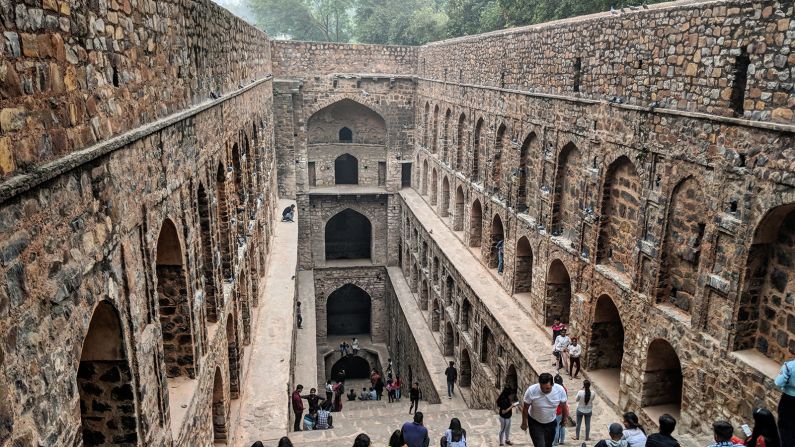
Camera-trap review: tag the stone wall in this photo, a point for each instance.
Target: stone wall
(303, 59)
(369, 279)
(679, 55)
(76, 74)
(185, 88)
(370, 164)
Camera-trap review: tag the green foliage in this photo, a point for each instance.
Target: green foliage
(408, 22)
(323, 20)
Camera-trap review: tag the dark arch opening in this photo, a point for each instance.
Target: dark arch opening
(348, 236)
(497, 235)
(448, 339)
(458, 217)
(346, 135)
(523, 279)
(223, 222)
(234, 351)
(475, 224)
(662, 379)
(104, 382)
(606, 347)
(466, 370)
(348, 311)
(355, 367)
(219, 419)
(346, 170)
(558, 293)
(211, 307)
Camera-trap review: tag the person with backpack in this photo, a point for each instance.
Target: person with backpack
(505, 411)
(454, 436)
(786, 406)
(584, 400)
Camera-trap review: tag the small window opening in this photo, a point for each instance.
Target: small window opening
(346, 135)
(334, 83)
(742, 160)
(740, 81)
(115, 76)
(733, 206)
(577, 73)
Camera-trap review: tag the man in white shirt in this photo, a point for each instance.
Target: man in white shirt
(561, 346)
(541, 402)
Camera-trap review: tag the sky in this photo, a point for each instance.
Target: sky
(238, 8)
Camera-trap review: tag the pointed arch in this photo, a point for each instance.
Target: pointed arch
(346, 170)
(523, 268)
(234, 353)
(425, 122)
(496, 236)
(345, 135)
(565, 205)
(620, 214)
(448, 339)
(477, 151)
(223, 222)
(446, 137)
(558, 293)
(218, 410)
(436, 313)
(348, 311)
(459, 152)
(365, 123)
(662, 378)
(458, 213)
(606, 344)
(208, 272)
(444, 209)
(466, 370)
(435, 136)
(424, 179)
(434, 186)
(500, 145)
(475, 223)
(348, 235)
(424, 292)
(522, 199)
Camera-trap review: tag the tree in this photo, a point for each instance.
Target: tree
(322, 20)
(408, 22)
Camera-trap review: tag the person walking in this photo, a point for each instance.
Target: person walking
(390, 390)
(560, 348)
(505, 411)
(414, 433)
(560, 429)
(398, 385)
(541, 401)
(415, 394)
(454, 436)
(452, 376)
(288, 213)
(722, 433)
(663, 438)
(574, 351)
(584, 400)
(633, 431)
(298, 407)
(500, 254)
(785, 381)
(765, 432)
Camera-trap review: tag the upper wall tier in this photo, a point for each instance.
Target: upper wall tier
(683, 55)
(299, 59)
(77, 72)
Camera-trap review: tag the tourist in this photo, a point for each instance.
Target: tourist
(557, 326)
(765, 432)
(339, 390)
(351, 395)
(285, 442)
(541, 401)
(329, 391)
(505, 411)
(786, 406)
(723, 432)
(500, 245)
(633, 432)
(298, 407)
(313, 399)
(390, 389)
(389, 367)
(454, 436)
(575, 350)
(344, 348)
(396, 440)
(373, 394)
(414, 433)
(374, 376)
(415, 395)
(379, 387)
(362, 440)
(452, 375)
(288, 213)
(299, 319)
(663, 438)
(324, 419)
(309, 420)
(355, 346)
(584, 400)
(364, 395)
(398, 387)
(341, 376)
(616, 432)
(560, 430)
(560, 348)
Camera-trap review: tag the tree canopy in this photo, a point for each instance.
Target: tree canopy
(411, 22)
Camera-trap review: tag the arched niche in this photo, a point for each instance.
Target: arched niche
(348, 236)
(365, 125)
(348, 311)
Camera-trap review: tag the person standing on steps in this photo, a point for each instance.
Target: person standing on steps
(574, 351)
(415, 394)
(329, 391)
(414, 433)
(298, 407)
(313, 399)
(505, 411)
(560, 430)
(560, 348)
(398, 387)
(785, 381)
(557, 326)
(584, 400)
(355, 346)
(541, 401)
(452, 376)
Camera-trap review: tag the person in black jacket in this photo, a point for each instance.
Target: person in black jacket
(452, 377)
(415, 395)
(664, 438)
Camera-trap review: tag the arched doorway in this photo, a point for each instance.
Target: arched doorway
(105, 384)
(346, 170)
(466, 315)
(436, 314)
(475, 223)
(558, 293)
(434, 186)
(348, 311)
(606, 346)
(459, 152)
(523, 268)
(662, 379)
(448, 339)
(512, 379)
(355, 367)
(424, 177)
(465, 381)
(449, 288)
(235, 352)
(619, 216)
(424, 295)
(524, 162)
(487, 350)
(348, 236)
(223, 222)
(497, 234)
(458, 216)
(211, 307)
(496, 167)
(476, 151)
(444, 209)
(566, 196)
(176, 321)
(218, 411)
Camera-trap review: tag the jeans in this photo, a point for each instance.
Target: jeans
(587, 417)
(450, 389)
(574, 361)
(415, 403)
(299, 417)
(288, 217)
(505, 429)
(499, 262)
(560, 431)
(541, 434)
